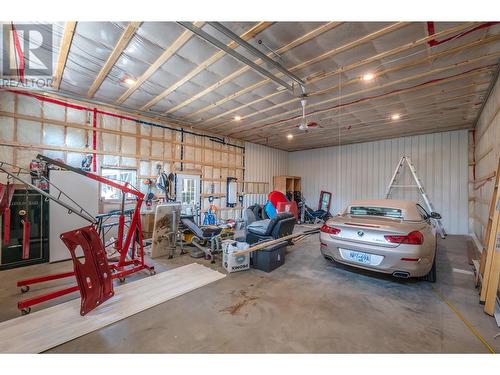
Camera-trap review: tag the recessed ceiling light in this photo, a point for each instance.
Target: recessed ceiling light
(368, 77)
(290, 136)
(395, 116)
(129, 81)
(237, 118)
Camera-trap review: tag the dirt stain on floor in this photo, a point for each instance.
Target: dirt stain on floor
(235, 308)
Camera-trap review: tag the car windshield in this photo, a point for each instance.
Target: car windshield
(376, 211)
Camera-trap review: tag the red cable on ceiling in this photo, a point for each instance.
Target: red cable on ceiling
(379, 96)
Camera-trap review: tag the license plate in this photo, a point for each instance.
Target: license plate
(360, 257)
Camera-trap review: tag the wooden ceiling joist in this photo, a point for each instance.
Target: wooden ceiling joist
(435, 104)
(120, 46)
(249, 34)
(65, 46)
(386, 135)
(173, 48)
(436, 99)
(319, 76)
(383, 72)
(364, 91)
(244, 69)
(406, 91)
(295, 43)
(375, 126)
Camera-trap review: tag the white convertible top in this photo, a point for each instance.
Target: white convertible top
(407, 207)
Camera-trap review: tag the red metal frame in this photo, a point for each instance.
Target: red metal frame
(119, 269)
(329, 202)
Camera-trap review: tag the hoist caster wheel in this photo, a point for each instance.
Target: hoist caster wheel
(26, 311)
(25, 288)
(122, 279)
(152, 272)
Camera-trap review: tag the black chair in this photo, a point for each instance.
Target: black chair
(209, 234)
(270, 229)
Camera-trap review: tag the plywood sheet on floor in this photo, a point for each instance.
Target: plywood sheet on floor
(45, 329)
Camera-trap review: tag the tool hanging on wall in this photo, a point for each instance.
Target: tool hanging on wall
(166, 183)
(6, 194)
(418, 184)
(231, 192)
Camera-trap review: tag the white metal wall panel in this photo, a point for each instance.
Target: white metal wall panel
(362, 171)
(261, 164)
(487, 152)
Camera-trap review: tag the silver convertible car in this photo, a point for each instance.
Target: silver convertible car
(391, 236)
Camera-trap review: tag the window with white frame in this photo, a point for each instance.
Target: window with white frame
(115, 174)
(188, 193)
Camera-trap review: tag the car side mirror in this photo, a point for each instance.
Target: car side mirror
(435, 215)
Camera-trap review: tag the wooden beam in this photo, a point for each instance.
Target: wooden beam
(255, 124)
(27, 146)
(321, 75)
(249, 34)
(376, 130)
(73, 125)
(67, 38)
(173, 48)
(236, 74)
(295, 43)
(383, 136)
(359, 79)
(366, 124)
(300, 66)
(120, 46)
(434, 96)
(485, 128)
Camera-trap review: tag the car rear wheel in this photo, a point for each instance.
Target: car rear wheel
(431, 276)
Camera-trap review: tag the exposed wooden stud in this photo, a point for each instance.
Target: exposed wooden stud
(173, 48)
(103, 130)
(120, 46)
(321, 75)
(297, 42)
(365, 130)
(435, 100)
(67, 38)
(435, 105)
(236, 74)
(383, 72)
(249, 34)
(252, 126)
(484, 154)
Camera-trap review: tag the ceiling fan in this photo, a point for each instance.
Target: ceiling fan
(304, 125)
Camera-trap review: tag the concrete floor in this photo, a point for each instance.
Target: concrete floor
(306, 306)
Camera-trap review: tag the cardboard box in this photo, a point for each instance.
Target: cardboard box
(235, 263)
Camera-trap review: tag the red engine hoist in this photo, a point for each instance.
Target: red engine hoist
(94, 276)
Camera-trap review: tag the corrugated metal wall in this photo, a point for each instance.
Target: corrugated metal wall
(261, 164)
(363, 170)
(487, 152)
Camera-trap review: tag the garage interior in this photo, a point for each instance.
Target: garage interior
(133, 175)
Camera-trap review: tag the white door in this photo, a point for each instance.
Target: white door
(188, 192)
(83, 191)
